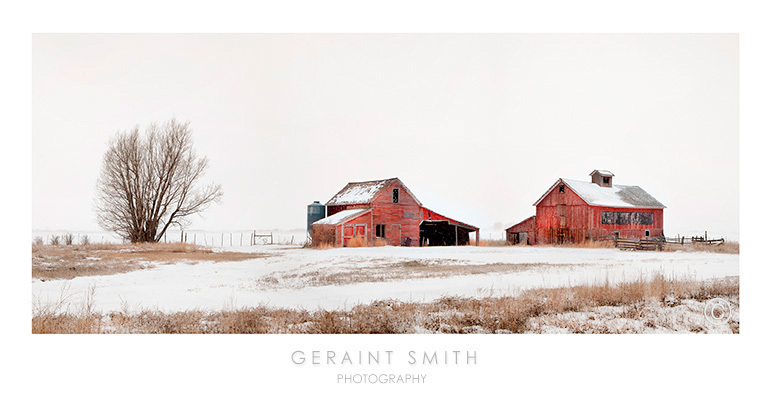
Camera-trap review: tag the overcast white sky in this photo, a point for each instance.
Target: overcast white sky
(478, 126)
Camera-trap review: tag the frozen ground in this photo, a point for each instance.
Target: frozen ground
(215, 286)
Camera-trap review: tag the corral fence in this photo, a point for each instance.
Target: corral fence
(657, 243)
(695, 240)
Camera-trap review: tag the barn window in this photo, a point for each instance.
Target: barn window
(396, 195)
(627, 218)
(647, 233)
(605, 180)
(380, 231)
(562, 188)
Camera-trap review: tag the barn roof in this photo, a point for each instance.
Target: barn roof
(364, 192)
(434, 214)
(521, 222)
(342, 216)
(620, 196)
(604, 172)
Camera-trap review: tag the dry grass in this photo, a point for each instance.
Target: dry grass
(493, 243)
(725, 248)
(323, 243)
(388, 271)
(67, 262)
(587, 244)
(379, 242)
(321, 246)
(655, 305)
(322, 237)
(356, 242)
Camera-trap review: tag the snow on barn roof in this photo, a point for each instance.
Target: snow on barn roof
(359, 192)
(365, 192)
(617, 196)
(602, 172)
(342, 216)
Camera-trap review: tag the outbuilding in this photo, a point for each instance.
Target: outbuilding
(574, 211)
(385, 212)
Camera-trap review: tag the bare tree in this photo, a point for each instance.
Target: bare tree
(149, 182)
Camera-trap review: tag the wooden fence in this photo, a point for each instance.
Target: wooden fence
(648, 243)
(695, 239)
(657, 243)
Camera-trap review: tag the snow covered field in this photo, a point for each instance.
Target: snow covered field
(289, 277)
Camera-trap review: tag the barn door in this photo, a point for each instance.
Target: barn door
(396, 235)
(361, 230)
(348, 231)
(354, 231)
(562, 231)
(562, 214)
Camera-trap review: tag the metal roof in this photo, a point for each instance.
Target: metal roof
(619, 196)
(364, 192)
(342, 216)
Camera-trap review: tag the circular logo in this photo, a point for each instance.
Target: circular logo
(717, 311)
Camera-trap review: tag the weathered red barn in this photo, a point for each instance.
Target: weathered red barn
(522, 233)
(574, 211)
(386, 212)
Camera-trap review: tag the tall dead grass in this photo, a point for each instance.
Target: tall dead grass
(725, 248)
(588, 244)
(493, 243)
(322, 237)
(358, 241)
(512, 314)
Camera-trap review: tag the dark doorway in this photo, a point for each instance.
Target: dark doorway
(443, 233)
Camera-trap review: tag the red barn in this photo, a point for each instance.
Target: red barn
(574, 211)
(386, 212)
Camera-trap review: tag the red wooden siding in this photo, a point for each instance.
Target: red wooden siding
(401, 220)
(526, 226)
(358, 227)
(429, 215)
(565, 217)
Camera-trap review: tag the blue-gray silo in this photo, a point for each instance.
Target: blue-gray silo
(316, 211)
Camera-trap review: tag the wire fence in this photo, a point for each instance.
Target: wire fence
(235, 238)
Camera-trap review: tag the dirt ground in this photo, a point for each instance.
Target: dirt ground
(67, 262)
